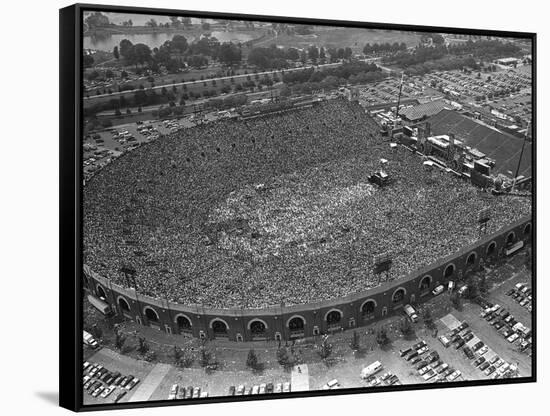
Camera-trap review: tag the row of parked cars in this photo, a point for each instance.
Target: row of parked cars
(428, 364)
(264, 388)
(99, 381)
(475, 350)
(522, 294)
(507, 326)
(178, 392)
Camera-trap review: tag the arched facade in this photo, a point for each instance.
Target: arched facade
(425, 283)
(123, 304)
(398, 295)
(449, 271)
(301, 320)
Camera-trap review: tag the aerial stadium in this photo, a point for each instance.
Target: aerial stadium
(291, 222)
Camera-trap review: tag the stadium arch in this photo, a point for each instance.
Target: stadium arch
(527, 229)
(123, 304)
(333, 316)
(423, 285)
(398, 295)
(450, 270)
(100, 291)
(183, 322)
(510, 238)
(471, 259)
(151, 314)
(368, 311)
(491, 248)
(218, 325)
(294, 319)
(257, 327)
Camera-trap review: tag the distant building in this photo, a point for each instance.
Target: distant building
(508, 61)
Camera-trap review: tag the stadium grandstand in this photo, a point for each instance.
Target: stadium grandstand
(280, 209)
(504, 148)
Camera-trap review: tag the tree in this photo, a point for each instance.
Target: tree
(115, 52)
(405, 327)
(456, 301)
(151, 23)
(143, 346)
(120, 340)
(229, 54)
(282, 356)
(354, 343)
(252, 359)
(325, 349)
(125, 47)
(87, 60)
(382, 337)
(179, 44)
(313, 53)
(428, 319)
(175, 22)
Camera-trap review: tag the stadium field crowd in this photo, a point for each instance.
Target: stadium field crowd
(276, 209)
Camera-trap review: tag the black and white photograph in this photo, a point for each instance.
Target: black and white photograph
(279, 207)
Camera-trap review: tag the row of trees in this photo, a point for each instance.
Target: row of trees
(376, 48)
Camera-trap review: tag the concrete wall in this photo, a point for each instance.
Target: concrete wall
(164, 315)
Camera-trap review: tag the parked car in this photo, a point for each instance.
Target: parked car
(512, 338)
(231, 390)
(454, 375)
(279, 388)
(438, 290)
(490, 370)
(444, 340)
(483, 350)
(196, 392)
(479, 361)
(483, 366)
(173, 392)
(120, 396)
(286, 387)
(181, 393)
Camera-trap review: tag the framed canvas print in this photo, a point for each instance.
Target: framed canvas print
(260, 207)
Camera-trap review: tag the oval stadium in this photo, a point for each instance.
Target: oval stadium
(285, 224)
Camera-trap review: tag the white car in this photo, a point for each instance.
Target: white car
(255, 389)
(204, 394)
(513, 337)
(262, 388)
(423, 350)
(454, 375)
(286, 387)
(108, 391)
(279, 388)
(240, 390)
(438, 290)
(332, 384)
(98, 391)
(173, 392)
(483, 350)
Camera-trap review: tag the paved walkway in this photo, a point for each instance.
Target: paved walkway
(300, 378)
(450, 321)
(149, 385)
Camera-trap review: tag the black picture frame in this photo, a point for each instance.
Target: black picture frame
(70, 216)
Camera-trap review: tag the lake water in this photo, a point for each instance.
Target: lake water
(154, 40)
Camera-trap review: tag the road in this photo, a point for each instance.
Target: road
(178, 84)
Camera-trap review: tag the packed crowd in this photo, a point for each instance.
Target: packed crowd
(275, 210)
